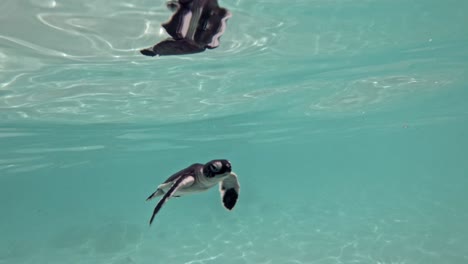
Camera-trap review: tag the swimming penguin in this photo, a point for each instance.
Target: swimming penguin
(196, 25)
(199, 178)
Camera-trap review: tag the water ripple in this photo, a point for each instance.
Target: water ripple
(79, 62)
(67, 149)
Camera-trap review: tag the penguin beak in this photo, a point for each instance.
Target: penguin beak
(228, 166)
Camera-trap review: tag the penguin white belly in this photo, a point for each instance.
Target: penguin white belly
(196, 187)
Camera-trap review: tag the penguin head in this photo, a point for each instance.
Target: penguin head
(217, 168)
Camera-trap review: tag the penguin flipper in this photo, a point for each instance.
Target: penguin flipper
(173, 47)
(229, 189)
(182, 181)
(157, 193)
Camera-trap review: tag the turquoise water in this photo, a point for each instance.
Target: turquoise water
(346, 122)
